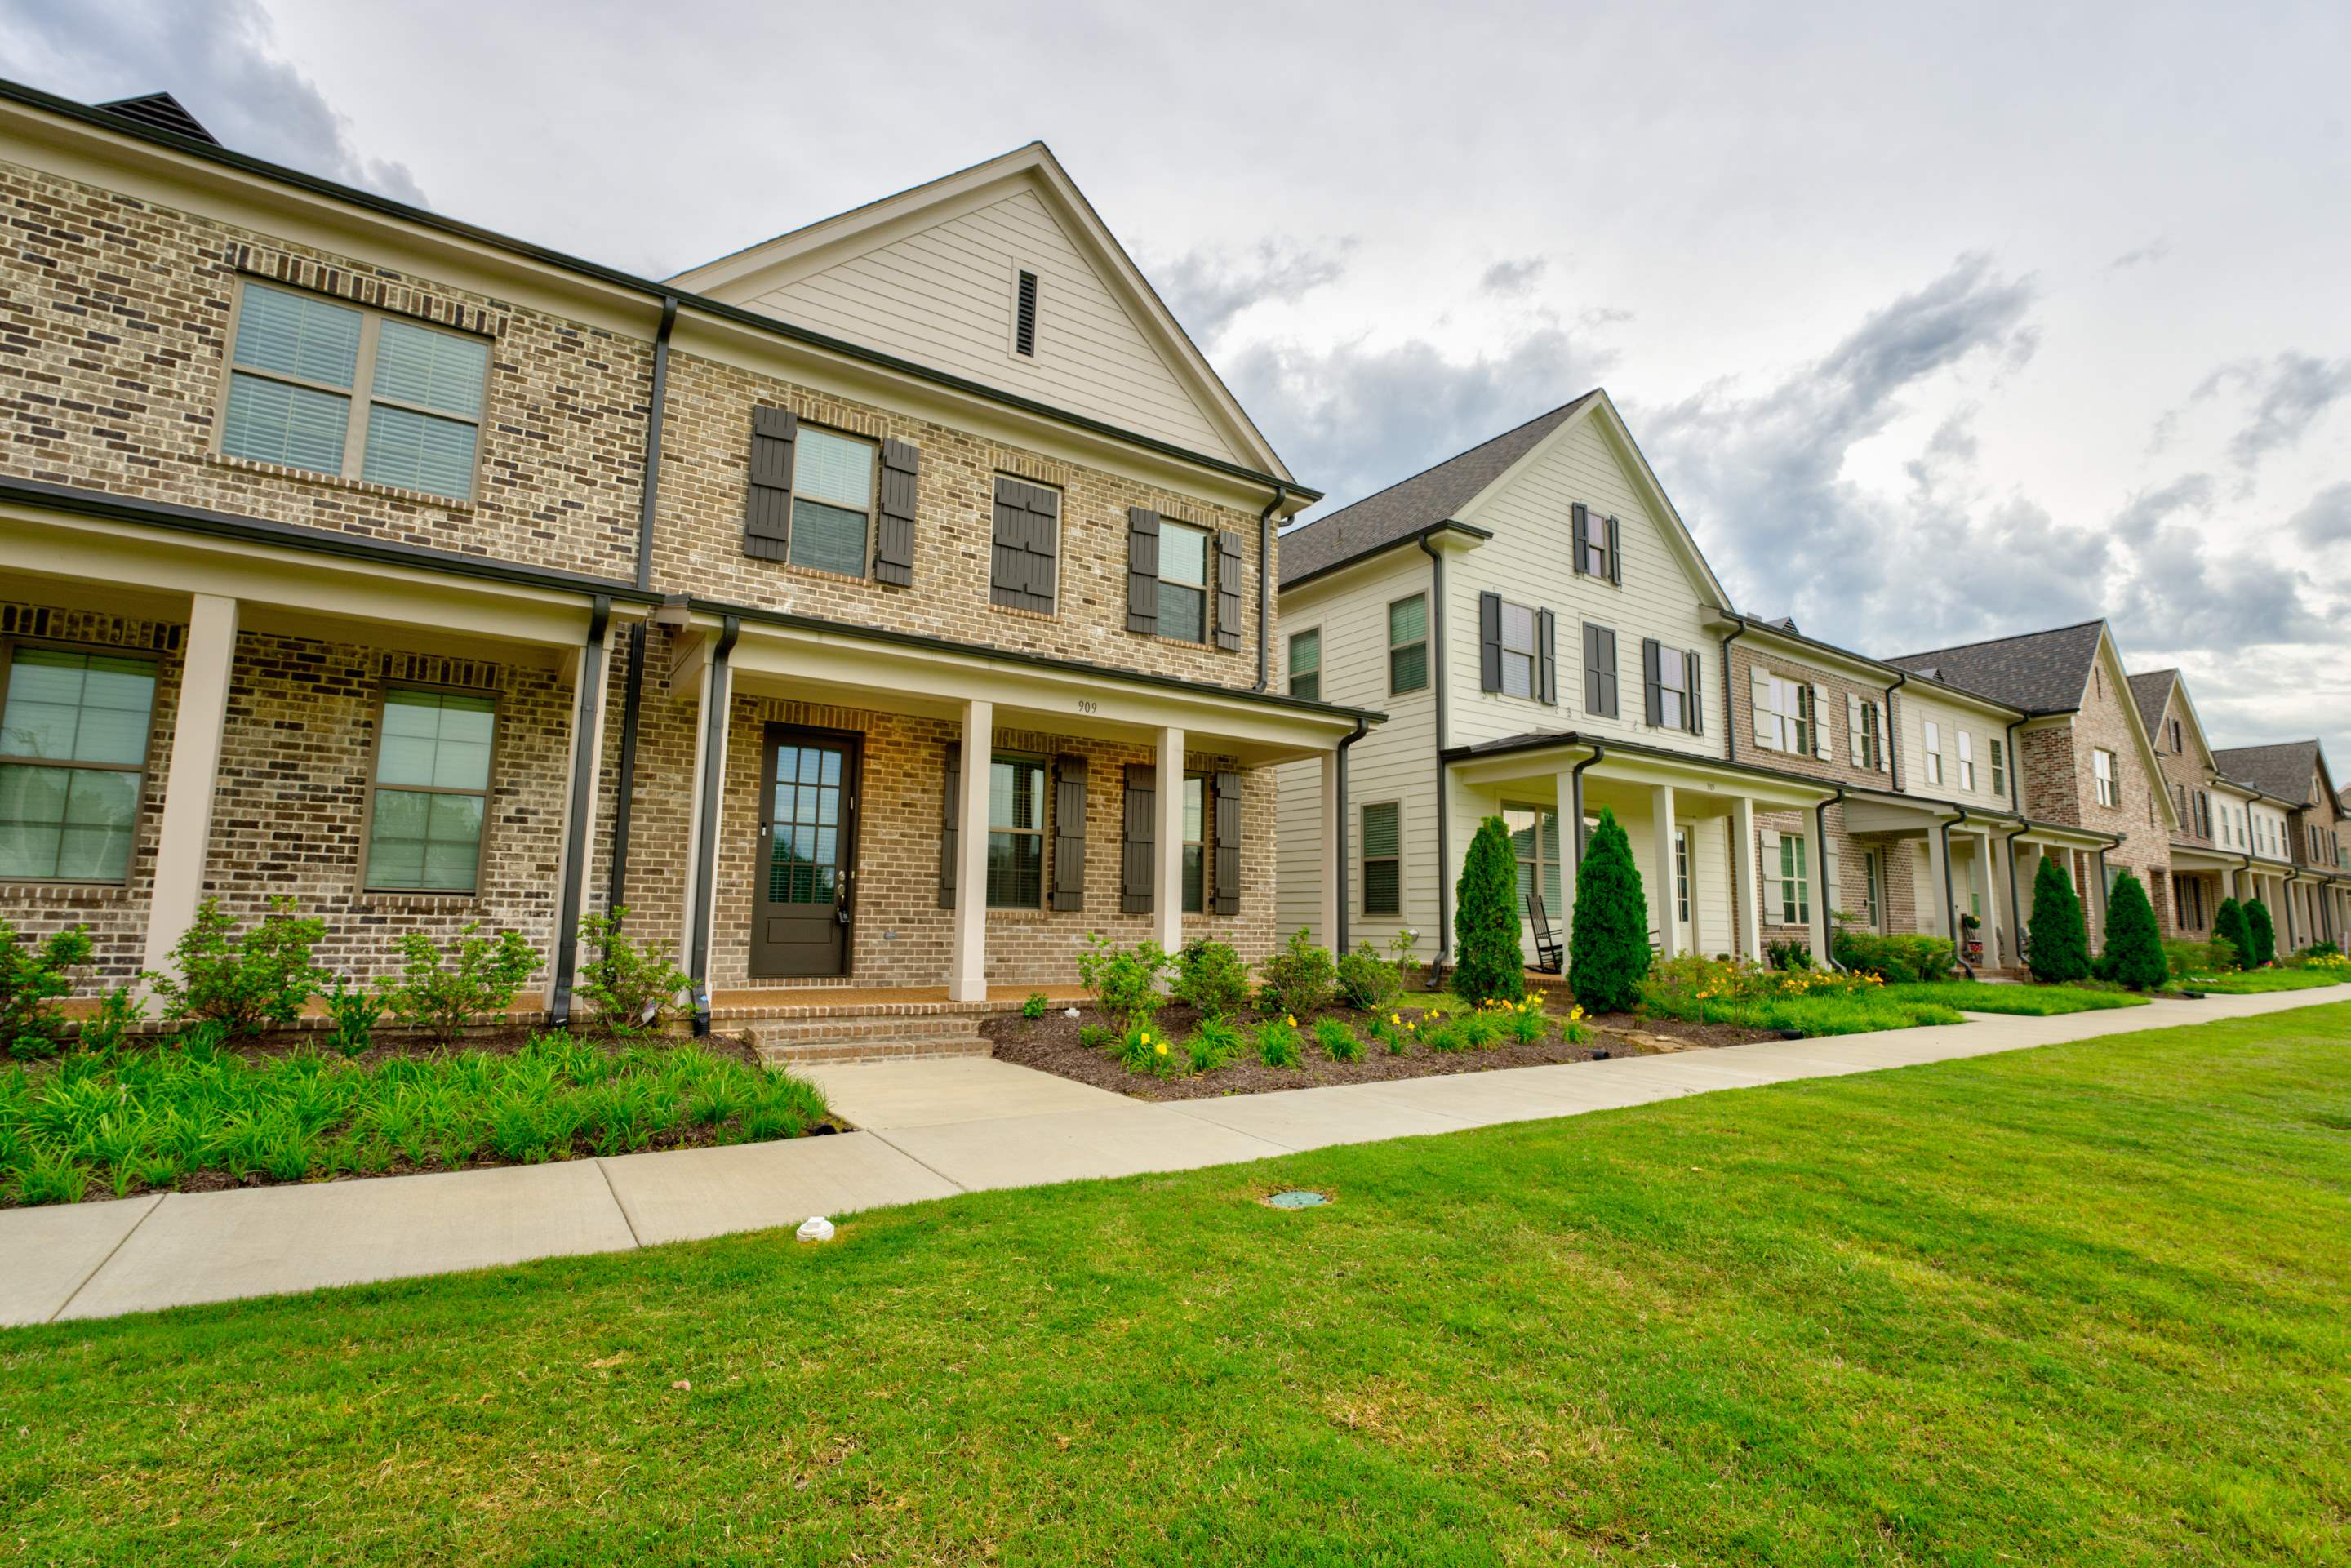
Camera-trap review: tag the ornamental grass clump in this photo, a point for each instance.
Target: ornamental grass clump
(1608, 949)
(2059, 952)
(1217, 1042)
(1338, 1041)
(1277, 1043)
(1487, 963)
(1389, 1030)
(1142, 1049)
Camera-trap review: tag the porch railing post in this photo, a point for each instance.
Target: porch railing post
(208, 659)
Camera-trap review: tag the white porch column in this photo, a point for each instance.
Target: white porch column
(709, 757)
(1570, 830)
(1167, 880)
(208, 655)
(1998, 849)
(1937, 886)
(588, 689)
(1743, 851)
(1326, 931)
(1661, 820)
(1979, 884)
(967, 959)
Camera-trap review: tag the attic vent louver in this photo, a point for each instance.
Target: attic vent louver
(163, 112)
(1024, 317)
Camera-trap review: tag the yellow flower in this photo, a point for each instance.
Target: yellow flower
(1395, 1018)
(1163, 1048)
(1289, 1019)
(1147, 1037)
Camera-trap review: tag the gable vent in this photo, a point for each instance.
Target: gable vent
(1024, 317)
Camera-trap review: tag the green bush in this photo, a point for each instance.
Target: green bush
(1277, 1043)
(1216, 1043)
(1897, 960)
(2186, 957)
(2060, 949)
(1142, 1049)
(2232, 929)
(2134, 955)
(1298, 980)
(1368, 981)
(1034, 1005)
(1211, 978)
(632, 985)
(1094, 1036)
(34, 977)
(1608, 949)
(1124, 981)
(1337, 1040)
(1487, 961)
(246, 982)
(352, 1013)
(1787, 956)
(443, 994)
(2264, 950)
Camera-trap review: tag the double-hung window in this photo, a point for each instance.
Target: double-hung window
(1183, 582)
(1872, 740)
(1795, 888)
(1518, 650)
(1966, 761)
(1306, 664)
(73, 748)
(1933, 732)
(1786, 722)
(313, 384)
(2102, 768)
(1534, 840)
(1869, 874)
(1195, 844)
(1016, 832)
(1408, 645)
(1673, 689)
(431, 791)
(1383, 859)
(832, 501)
(1998, 767)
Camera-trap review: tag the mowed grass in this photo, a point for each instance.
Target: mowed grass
(2032, 1001)
(2075, 1305)
(2260, 982)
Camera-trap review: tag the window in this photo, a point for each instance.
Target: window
(1016, 832)
(1518, 650)
(1024, 315)
(832, 501)
(1673, 689)
(1785, 722)
(1306, 664)
(1534, 838)
(2175, 736)
(1383, 868)
(2102, 767)
(1934, 733)
(1869, 876)
(2203, 815)
(1872, 740)
(73, 749)
(1183, 582)
(1681, 875)
(1195, 844)
(1966, 761)
(1594, 535)
(296, 374)
(1795, 889)
(431, 791)
(1408, 644)
(1998, 767)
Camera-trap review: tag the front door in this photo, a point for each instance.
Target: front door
(801, 909)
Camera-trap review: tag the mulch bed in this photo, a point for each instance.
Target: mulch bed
(1052, 1044)
(402, 1045)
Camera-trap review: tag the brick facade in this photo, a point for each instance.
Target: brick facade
(2060, 786)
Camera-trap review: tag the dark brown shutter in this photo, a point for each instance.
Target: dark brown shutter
(1228, 787)
(1143, 570)
(893, 529)
(1599, 671)
(768, 517)
(1694, 697)
(1137, 862)
(1615, 557)
(947, 826)
(1228, 589)
(1027, 539)
(1582, 535)
(1547, 659)
(1069, 831)
(1653, 704)
(1490, 641)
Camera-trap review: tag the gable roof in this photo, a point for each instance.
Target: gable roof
(2152, 692)
(2283, 771)
(161, 110)
(751, 276)
(2039, 672)
(1405, 508)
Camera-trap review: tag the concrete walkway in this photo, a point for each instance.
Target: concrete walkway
(928, 1129)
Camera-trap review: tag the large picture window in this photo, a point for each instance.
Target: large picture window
(315, 383)
(1016, 833)
(1183, 582)
(431, 791)
(832, 501)
(73, 748)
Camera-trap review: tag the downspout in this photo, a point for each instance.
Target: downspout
(1820, 838)
(1730, 725)
(1338, 943)
(1893, 736)
(714, 741)
(1265, 587)
(624, 802)
(1575, 788)
(1950, 899)
(1444, 807)
(584, 763)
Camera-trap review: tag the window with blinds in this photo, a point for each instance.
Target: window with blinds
(1383, 859)
(1306, 664)
(431, 791)
(73, 755)
(1408, 646)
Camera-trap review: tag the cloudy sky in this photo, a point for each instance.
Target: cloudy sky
(1938, 322)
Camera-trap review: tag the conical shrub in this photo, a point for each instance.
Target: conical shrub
(1487, 960)
(2228, 926)
(2264, 932)
(2061, 942)
(2134, 955)
(1608, 948)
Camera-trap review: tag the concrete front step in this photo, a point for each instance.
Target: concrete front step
(804, 1040)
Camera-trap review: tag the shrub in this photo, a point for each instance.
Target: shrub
(1787, 954)
(1277, 1043)
(443, 994)
(352, 1013)
(632, 985)
(33, 977)
(1145, 1050)
(1337, 1040)
(2320, 950)
(1211, 978)
(1609, 947)
(110, 1025)
(1486, 962)
(1094, 1036)
(2186, 957)
(1299, 979)
(1217, 1042)
(249, 982)
(1034, 1005)
(1124, 981)
(2060, 949)
(1896, 959)
(2134, 955)
(1368, 981)
(2264, 950)
(2231, 927)
(1400, 953)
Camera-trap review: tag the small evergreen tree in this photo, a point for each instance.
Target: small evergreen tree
(2061, 942)
(1487, 960)
(2263, 933)
(2228, 926)
(1608, 947)
(2134, 955)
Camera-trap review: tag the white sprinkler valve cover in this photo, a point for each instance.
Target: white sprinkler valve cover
(815, 1228)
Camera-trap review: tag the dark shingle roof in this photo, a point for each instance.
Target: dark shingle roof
(162, 112)
(2039, 672)
(2282, 772)
(1403, 509)
(2152, 692)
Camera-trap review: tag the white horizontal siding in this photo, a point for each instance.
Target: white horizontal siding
(1917, 709)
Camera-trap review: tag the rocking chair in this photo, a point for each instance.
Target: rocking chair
(1550, 956)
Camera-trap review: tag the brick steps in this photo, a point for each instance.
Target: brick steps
(859, 1035)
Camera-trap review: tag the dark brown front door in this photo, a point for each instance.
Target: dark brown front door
(808, 853)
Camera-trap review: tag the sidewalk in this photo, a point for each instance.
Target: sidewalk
(927, 1129)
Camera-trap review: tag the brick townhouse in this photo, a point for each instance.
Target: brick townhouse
(886, 604)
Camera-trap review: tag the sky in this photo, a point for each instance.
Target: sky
(1937, 322)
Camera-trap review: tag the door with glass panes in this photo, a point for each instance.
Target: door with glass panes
(802, 908)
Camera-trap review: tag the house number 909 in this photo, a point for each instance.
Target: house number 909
(1087, 706)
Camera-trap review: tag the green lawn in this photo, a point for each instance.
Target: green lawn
(2075, 1305)
(2036, 1002)
(2257, 982)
